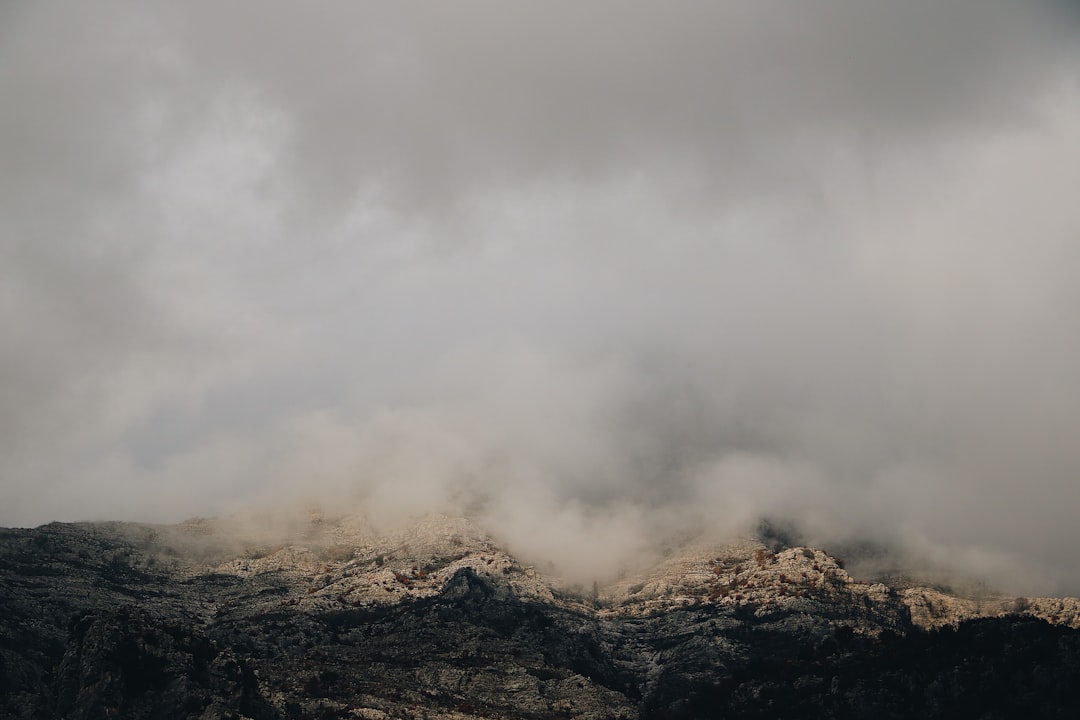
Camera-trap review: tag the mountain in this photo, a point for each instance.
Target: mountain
(334, 620)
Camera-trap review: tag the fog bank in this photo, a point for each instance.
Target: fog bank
(600, 275)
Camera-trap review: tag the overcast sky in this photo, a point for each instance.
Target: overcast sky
(594, 271)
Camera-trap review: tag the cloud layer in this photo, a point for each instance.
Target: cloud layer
(600, 274)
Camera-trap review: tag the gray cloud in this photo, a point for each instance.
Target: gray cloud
(428, 101)
(601, 273)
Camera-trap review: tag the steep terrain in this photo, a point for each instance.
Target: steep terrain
(333, 620)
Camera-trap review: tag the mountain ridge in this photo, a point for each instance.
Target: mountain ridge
(334, 619)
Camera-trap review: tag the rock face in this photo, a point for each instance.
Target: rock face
(198, 621)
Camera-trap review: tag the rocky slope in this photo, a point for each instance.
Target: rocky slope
(335, 621)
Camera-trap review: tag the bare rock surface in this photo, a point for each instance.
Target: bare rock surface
(332, 619)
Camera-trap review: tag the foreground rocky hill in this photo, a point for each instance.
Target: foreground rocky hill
(333, 620)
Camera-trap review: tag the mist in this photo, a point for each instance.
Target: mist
(599, 275)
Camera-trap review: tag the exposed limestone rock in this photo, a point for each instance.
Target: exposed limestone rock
(333, 620)
(933, 609)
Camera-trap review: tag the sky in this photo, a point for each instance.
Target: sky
(599, 274)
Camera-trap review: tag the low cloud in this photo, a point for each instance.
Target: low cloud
(599, 276)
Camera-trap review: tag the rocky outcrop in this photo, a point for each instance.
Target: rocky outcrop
(202, 621)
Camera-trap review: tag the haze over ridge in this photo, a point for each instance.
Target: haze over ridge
(597, 273)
